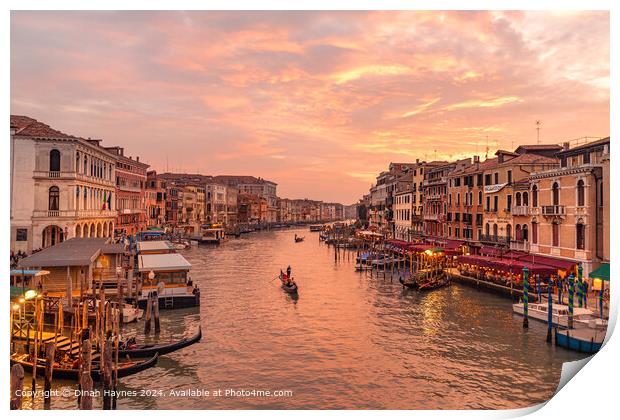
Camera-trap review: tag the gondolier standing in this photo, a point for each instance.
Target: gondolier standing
(288, 271)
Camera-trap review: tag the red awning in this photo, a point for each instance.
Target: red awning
(490, 250)
(555, 263)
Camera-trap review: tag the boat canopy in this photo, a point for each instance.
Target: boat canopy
(150, 246)
(162, 262)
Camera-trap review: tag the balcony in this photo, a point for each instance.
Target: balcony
(557, 210)
(520, 211)
(73, 214)
(496, 239)
(431, 217)
(520, 245)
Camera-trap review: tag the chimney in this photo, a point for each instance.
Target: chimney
(137, 158)
(417, 161)
(476, 159)
(566, 145)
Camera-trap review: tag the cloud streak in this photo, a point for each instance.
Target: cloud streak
(316, 101)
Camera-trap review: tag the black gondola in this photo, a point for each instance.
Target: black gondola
(290, 289)
(147, 350)
(124, 368)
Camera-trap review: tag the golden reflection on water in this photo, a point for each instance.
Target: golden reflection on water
(351, 340)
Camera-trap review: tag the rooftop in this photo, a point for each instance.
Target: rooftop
(74, 252)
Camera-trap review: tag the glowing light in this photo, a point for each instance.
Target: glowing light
(30, 294)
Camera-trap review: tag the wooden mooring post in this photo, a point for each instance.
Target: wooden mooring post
(17, 384)
(147, 317)
(106, 367)
(50, 352)
(156, 313)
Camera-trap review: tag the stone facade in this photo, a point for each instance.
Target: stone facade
(62, 186)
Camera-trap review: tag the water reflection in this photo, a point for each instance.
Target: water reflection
(350, 340)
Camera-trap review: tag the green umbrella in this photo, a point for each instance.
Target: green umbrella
(602, 272)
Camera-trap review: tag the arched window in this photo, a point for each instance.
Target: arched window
(508, 231)
(518, 199)
(77, 161)
(526, 199)
(495, 229)
(580, 234)
(85, 172)
(535, 196)
(555, 192)
(54, 160)
(524, 233)
(581, 199)
(487, 229)
(534, 232)
(54, 198)
(518, 232)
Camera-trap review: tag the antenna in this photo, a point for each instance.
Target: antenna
(538, 124)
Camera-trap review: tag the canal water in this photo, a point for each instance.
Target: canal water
(351, 340)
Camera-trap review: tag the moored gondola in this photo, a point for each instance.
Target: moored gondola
(125, 368)
(148, 350)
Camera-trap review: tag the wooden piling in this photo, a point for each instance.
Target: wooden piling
(50, 352)
(36, 347)
(86, 386)
(147, 317)
(17, 384)
(156, 314)
(106, 367)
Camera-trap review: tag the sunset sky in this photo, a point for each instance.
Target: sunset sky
(319, 102)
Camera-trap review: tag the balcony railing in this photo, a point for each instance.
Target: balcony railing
(495, 239)
(557, 210)
(520, 245)
(520, 211)
(74, 213)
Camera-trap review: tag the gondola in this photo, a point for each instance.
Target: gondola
(290, 289)
(125, 368)
(299, 238)
(433, 284)
(148, 350)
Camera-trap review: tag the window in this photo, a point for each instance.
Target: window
(54, 160)
(509, 174)
(495, 203)
(479, 198)
(580, 193)
(488, 204)
(555, 192)
(518, 233)
(534, 232)
(535, 196)
(526, 199)
(54, 198)
(518, 199)
(586, 157)
(581, 235)
(509, 231)
(496, 178)
(21, 235)
(486, 229)
(524, 233)
(495, 229)
(555, 227)
(77, 162)
(509, 202)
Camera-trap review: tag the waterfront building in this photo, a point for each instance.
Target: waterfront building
(435, 202)
(403, 212)
(505, 183)
(216, 210)
(570, 206)
(155, 200)
(77, 264)
(130, 192)
(62, 186)
(255, 186)
(231, 207)
(251, 209)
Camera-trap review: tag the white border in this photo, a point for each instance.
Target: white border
(591, 394)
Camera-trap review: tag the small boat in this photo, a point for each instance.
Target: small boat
(298, 238)
(291, 289)
(125, 368)
(316, 228)
(585, 340)
(131, 313)
(436, 283)
(148, 350)
(559, 313)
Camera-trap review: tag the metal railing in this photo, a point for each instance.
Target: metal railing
(555, 210)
